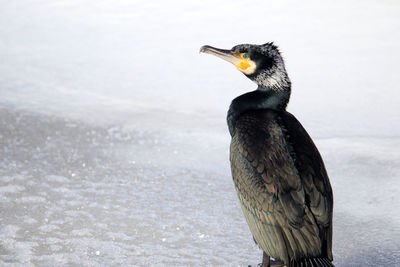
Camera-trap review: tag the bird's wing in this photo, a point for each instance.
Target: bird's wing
(278, 205)
(311, 169)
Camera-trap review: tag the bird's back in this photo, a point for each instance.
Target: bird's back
(282, 185)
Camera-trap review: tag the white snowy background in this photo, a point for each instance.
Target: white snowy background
(113, 141)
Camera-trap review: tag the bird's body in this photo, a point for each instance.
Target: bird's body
(279, 175)
(282, 185)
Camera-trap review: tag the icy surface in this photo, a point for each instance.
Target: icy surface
(113, 143)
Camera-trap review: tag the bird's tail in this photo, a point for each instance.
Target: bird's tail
(311, 262)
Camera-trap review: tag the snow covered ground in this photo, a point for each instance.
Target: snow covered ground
(113, 143)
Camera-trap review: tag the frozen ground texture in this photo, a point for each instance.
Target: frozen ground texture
(113, 144)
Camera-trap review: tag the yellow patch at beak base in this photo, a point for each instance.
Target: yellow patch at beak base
(245, 65)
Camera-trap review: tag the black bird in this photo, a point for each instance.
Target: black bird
(279, 175)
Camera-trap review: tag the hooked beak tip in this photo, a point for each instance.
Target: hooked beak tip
(204, 48)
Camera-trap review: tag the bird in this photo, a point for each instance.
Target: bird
(279, 175)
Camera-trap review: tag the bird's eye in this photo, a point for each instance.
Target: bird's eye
(245, 55)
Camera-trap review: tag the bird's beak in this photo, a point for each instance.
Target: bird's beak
(244, 64)
(227, 55)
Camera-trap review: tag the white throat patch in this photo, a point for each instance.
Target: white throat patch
(276, 80)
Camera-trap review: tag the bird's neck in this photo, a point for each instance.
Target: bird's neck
(262, 98)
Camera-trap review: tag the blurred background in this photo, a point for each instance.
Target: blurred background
(113, 140)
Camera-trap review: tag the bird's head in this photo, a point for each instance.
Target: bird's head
(263, 64)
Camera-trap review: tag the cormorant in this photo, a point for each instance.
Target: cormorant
(279, 175)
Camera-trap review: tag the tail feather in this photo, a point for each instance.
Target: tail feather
(311, 262)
